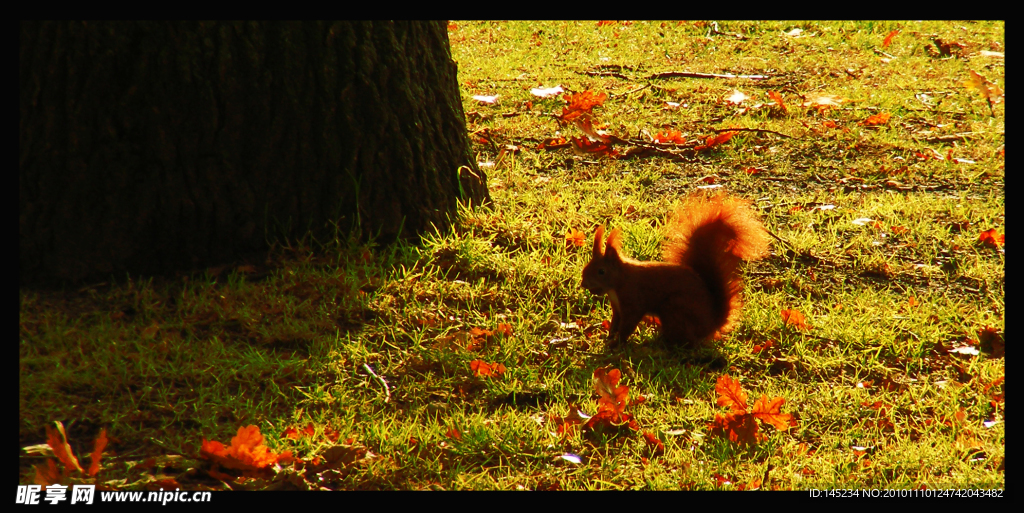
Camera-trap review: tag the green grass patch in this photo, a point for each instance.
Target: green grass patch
(878, 230)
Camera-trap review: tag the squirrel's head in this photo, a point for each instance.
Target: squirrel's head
(601, 273)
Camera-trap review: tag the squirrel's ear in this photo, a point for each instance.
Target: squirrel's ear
(598, 235)
(614, 240)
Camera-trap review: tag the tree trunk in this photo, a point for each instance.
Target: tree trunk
(151, 147)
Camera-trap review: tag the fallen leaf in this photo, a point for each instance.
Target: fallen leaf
(246, 452)
(770, 411)
(795, 318)
(888, 38)
(575, 238)
(715, 140)
(991, 239)
(823, 102)
(546, 92)
(737, 97)
(504, 329)
(97, 452)
(585, 124)
(991, 342)
(580, 103)
(730, 394)
(481, 368)
(655, 445)
(58, 441)
(778, 100)
(670, 136)
(585, 147)
(47, 474)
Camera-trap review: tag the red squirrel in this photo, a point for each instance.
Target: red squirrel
(695, 292)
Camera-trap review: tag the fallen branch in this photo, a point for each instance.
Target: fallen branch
(687, 74)
(961, 137)
(720, 130)
(615, 74)
(387, 392)
(631, 91)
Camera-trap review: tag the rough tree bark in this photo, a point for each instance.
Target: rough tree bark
(146, 147)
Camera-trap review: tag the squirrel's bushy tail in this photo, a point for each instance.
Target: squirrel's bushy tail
(711, 235)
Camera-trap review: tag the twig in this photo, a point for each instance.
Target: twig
(961, 137)
(641, 88)
(688, 74)
(720, 130)
(780, 239)
(387, 392)
(714, 30)
(604, 74)
(879, 52)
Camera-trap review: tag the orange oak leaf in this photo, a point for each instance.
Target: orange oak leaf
(606, 381)
(611, 404)
(484, 369)
(480, 333)
(575, 238)
(778, 99)
(47, 474)
(730, 394)
(655, 445)
(568, 423)
(58, 441)
(246, 452)
(97, 452)
(295, 433)
(878, 119)
(580, 103)
(737, 427)
(991, 238)
(553, 143)
(888, 38)
(988, 90)
(740, 426)
(770, 411)
(795, 318)
(670, 136)
(586, 147)
(504, 329)
(585, 123)
(715, 140)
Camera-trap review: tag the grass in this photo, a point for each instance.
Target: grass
(311, 334)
